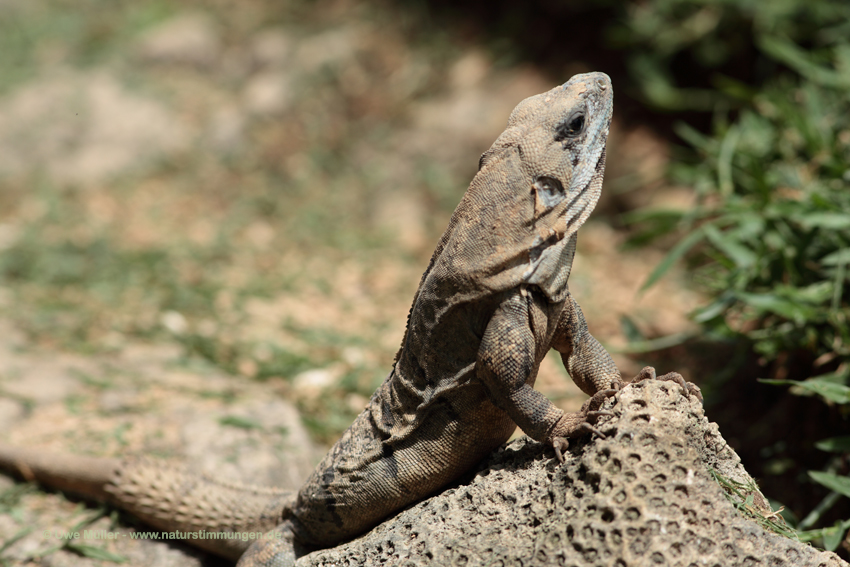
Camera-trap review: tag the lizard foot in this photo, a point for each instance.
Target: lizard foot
(688, 388)
(579, 423)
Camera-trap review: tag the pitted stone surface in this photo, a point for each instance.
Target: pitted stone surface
(642, 496)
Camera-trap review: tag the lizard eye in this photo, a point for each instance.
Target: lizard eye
(571, 127)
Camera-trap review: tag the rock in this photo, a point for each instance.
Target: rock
(641, 496)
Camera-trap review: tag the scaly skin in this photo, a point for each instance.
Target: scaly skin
(492, 302)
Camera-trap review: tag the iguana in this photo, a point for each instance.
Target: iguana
(492, 302)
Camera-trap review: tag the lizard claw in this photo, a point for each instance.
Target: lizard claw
(693, 390)
(561, 445)
(688, 388)
(596, 401)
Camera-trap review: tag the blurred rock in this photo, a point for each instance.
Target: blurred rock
(247, 368)
(83, 128)
(356, 403)
(403, 216)
(476, 108)
(10, 412)
(277, 451)
(271, 48)
(469, 71)
(8, 235)
(39, 381)
(5, 301)
(330, 48)
(268, 93)
(190, 39)
(311, 383)
(260, 233)
(226, 131)
(353, 356)
(174, 322)
(118, 401)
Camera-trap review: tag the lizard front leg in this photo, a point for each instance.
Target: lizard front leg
(589, 364)
(507, 362)
(590, 367)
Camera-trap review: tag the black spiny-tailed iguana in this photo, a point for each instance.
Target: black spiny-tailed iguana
(492, 302)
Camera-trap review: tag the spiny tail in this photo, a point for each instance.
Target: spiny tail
(216, 516)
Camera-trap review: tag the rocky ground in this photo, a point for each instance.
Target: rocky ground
(212, 224)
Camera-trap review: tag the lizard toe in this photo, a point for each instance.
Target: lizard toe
(596, 401)
(594, 415)
(589, 428)
(688, 388)
(560, 444)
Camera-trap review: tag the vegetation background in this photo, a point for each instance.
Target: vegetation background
(213, 217)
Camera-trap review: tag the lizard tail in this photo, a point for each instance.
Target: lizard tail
(220, 517)
(85, 476)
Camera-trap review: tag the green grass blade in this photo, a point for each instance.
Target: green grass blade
(838, 393)
(840, 484)
(673, 256)
(94, 552)
(834, 444)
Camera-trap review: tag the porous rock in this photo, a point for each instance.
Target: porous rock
(641, 496)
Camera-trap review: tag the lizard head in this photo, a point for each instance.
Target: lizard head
(535, 187)
(559, 137)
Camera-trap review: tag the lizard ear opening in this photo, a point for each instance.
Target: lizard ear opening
(549, 191)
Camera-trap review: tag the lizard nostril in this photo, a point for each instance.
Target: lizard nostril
(601, 84)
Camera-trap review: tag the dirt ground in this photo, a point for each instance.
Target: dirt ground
(212, 225)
